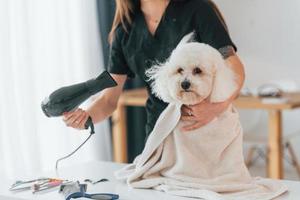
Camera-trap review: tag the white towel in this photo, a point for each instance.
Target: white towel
(206, 163)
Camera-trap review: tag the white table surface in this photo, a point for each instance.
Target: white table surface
(96, 170)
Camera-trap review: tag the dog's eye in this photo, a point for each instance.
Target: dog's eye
(197, 70)
(180, 70)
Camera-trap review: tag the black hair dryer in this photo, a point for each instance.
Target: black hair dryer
(70, 97)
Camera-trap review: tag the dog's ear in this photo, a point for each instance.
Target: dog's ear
(224, 83)
(190, 37)
(159, 82)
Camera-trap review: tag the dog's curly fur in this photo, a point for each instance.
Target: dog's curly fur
(199, 64)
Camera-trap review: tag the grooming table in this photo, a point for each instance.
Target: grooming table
(96, 170)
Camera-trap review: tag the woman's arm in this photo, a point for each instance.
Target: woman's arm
(100, 109)
(205, 112)
(238, 68)
(106, 104)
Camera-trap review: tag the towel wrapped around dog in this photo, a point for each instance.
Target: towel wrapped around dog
(206, 163)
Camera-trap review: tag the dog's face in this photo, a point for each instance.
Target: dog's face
(194, 72)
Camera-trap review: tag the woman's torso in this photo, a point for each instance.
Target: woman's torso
(142, 49)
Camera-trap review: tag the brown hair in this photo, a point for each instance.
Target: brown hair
(125, 9)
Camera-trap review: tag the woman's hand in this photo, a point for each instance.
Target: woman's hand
(101, 108)
(76, 119)
(202, 113)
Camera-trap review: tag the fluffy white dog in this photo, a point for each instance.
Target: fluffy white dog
(206, 163)
(194, 72)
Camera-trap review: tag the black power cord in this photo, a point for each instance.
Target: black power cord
(88, 123)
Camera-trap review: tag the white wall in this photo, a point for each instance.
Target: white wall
(267, 34)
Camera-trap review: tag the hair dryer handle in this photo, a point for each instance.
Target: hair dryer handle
(89, 123)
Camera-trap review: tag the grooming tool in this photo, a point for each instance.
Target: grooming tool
(95, 182)
(47, 185)
(25, 185)
(68, 98)
(36, 185)
(76, 190)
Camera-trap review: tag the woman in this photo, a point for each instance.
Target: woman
(146, 31)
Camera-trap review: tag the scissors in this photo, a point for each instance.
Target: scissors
(76, 190)
(98, 196)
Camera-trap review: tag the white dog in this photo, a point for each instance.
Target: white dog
(194, 72)
(205, 163)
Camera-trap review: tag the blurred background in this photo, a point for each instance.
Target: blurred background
(45, 44)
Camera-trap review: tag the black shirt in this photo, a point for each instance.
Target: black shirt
(136, 50)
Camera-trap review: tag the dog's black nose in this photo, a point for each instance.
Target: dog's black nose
(185, 85)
